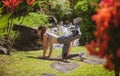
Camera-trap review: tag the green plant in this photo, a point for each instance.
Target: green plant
(8, 12)
(84, 9)
(33, 20)
(107, 44)
(61, 9)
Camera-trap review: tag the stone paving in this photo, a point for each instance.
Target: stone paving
(62, 66)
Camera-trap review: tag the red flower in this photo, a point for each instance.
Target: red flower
(30, 2)
(117, 15)
(103, 18)
(117, 69)
(11, 4)
(105, 3)
(91, 48)
(107, 34)
(118, 53)
(109, 64)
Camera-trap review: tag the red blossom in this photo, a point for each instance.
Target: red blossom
(102, 18)
(109, 64)
(117, 69)
(118, 53)
(102, 49)
(11, 4)
(105, 3)
(30, 2)
(103, 46)
(91, 48)
(107, 33)
(116, 20)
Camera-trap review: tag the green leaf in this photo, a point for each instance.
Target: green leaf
(0, 10)
(4, 20)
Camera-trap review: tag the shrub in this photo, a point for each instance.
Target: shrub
(87, 26)
(33, 20)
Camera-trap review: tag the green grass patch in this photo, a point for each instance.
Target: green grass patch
(20, 63)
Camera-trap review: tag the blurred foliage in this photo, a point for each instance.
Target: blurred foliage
(85, 9)
(32, 20)
(4, 19)
(7, 15)
(6, 34)
(60, 9)
(63, 10)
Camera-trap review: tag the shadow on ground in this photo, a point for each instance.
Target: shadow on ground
(51, 59)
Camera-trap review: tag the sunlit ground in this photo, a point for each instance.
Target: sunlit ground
(21, 64)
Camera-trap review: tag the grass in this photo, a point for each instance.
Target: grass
(20, 64)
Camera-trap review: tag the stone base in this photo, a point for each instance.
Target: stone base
(63, 66)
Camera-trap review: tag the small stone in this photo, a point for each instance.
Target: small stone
(3, 50)
(47, 74)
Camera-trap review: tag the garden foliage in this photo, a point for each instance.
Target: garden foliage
(107, 44)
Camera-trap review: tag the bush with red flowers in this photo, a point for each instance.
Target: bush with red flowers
(107, 43)
(17, 7)
(9, 9)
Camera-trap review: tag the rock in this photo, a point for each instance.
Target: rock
(94, 60)
(90, 59)
(3, 50)
(52, 20)
(77, 20)
(63, 66)
(28, 38)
